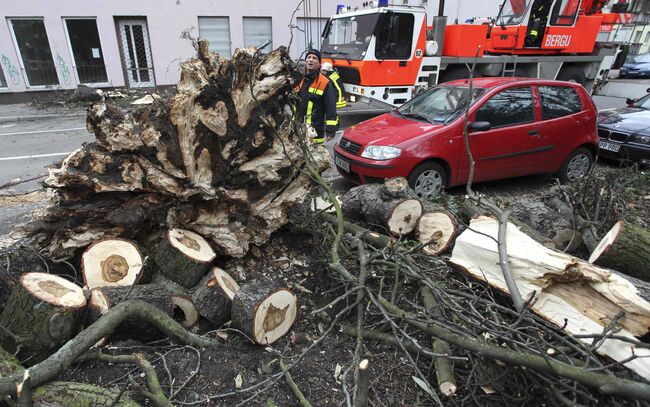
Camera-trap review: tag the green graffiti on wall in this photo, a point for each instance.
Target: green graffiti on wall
(63, 68)
(10, 70)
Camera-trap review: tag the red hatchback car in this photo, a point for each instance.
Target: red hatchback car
(518, 126)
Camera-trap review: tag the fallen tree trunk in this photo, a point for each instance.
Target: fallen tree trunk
(42, 312)
(391, 205)
(625, 248)
(573, 294)
(79, 395)
(264, 311)
(183, 257)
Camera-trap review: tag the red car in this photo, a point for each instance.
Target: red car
(517, 126)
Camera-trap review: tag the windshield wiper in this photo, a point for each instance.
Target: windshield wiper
(418, 116)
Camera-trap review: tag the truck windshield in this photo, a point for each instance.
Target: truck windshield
(349, 37)
(512, 12)
(441, 104)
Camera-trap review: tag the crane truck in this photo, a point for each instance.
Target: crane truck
(388, 53)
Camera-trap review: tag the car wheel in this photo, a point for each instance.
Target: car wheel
(572, 74)
(576, 166)
(428, 180)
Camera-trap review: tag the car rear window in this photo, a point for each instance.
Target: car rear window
(507, 108)
(558, 101)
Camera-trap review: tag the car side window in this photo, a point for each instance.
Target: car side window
(509, 107)
(558, 101)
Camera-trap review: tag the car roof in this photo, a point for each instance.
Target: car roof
(494, 82)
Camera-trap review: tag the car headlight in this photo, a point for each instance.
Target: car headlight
(640, 139)
(381, 152)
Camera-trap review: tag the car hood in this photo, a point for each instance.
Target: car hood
(636, 65)
(388, 130)
(627, 119)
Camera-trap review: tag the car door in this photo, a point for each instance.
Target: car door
(511, 146)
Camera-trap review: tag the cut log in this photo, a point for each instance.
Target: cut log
(111, 262)
(571, 293)
(166, 297)
(184, 256)
(41, 314)
(625, 248)
(391, 205)
(79, 395)
(213, 296)
(438, 227)
(264, 311)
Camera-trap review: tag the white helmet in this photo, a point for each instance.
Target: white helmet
(327, 66)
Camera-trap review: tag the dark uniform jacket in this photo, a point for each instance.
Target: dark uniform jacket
(336, 81)
(318, 104)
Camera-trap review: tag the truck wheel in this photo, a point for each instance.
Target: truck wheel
(428, 180)
(456, 73)
(576, 166)
(572, 74)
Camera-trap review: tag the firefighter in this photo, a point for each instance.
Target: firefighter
(328, 70)
(317, 99)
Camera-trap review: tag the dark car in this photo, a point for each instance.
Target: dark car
(625, 132)
(518, 126)
(636, 66)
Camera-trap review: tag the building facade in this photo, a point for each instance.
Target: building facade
(48, 45)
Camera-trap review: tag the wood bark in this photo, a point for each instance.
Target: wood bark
(390, 205)
(111, 262)
(220, 158)
(264, 311)
(79, 395)
(213, 296)
(9, 364)
(183, 256)
(574, 294)
(42, 312)
(625, 248)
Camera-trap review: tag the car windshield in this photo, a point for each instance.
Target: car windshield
(637, 59)
(441, 104)
(349, 37)
(643, 103)
(512, 11)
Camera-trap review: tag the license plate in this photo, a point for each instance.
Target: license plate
(342, 164)
(606, 145)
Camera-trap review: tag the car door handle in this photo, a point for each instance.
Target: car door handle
(534, 133)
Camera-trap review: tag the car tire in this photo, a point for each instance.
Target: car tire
(456, 73)
(572, 74)
(576, 166)
(428, 180)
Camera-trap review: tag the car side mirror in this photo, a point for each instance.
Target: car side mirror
(629, 101)
(480, 126)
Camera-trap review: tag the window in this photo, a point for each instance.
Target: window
(564, 12)
(217, 31)
(349, 37)
(558, 101)
(309, 34)
(34, 50)
(637, 37)
(86, 50)
(257, 31)
(509, 107)
(394, 36)
(3, 81)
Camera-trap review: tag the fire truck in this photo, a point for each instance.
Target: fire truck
(388, 53)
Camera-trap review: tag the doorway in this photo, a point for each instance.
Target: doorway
(136, 52)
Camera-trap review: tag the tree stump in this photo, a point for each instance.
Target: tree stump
(41, 314)
(213, 296)
(625, 248)
(169, 298)
(79, 395)
(111, 262)
(183, 256)
(264, 311)
(391, 204)
(438, 227)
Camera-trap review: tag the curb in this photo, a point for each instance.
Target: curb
(26, 118)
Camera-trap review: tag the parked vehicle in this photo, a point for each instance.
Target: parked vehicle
(636, 66)
(625, 132)
(517, 126)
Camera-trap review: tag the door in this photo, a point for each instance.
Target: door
(86, 49)
(514, 145)
(136, 53)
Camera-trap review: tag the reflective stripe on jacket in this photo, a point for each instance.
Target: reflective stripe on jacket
(334, 77)
(318, 104)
